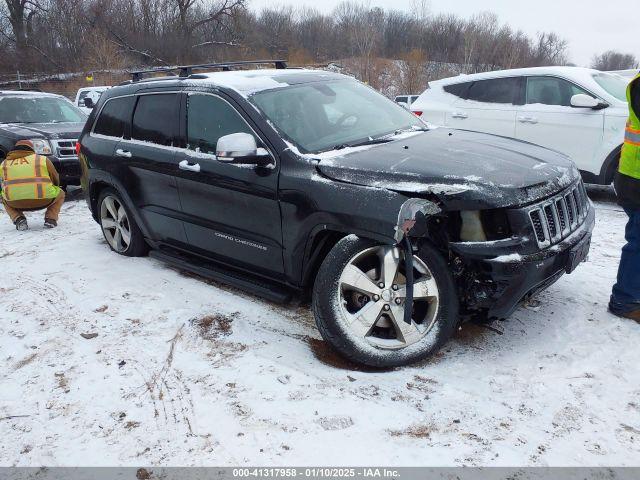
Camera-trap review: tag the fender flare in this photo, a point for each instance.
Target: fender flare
(109, 182)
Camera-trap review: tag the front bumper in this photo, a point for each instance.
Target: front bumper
(505, 277)
(68, 168)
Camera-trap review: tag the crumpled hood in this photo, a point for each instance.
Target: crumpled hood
(463, 169)
(44, 130)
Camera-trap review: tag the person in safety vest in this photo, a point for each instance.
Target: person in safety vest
(625, 299)
(30, 182)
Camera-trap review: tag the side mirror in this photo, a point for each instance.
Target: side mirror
(88, 102)
(582, 100)
(241, 148)
(403, 104)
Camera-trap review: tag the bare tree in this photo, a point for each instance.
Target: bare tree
(192, 15)
(20, 15)
(382, 47)
(612, 60)
(412, 69)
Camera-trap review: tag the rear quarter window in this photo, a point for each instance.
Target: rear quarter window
(498, 90)
(457, 89)
(114, 117)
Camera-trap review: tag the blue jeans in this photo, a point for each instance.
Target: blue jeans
(626, 292)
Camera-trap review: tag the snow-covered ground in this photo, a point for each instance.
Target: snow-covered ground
(185, 372)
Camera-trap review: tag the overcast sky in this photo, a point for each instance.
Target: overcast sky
(589, 26)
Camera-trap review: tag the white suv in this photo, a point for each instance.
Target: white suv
(577, 111)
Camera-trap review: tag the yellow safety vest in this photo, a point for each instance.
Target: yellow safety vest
(27, 178)
(630, 157)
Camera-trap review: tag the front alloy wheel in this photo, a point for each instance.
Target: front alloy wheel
(359, 302)
(373, 292)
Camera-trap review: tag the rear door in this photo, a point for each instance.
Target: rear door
(488, 106)
(148, 165)
(549, 120)
(231, 211)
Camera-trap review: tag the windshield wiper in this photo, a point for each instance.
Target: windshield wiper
(383, 139)
(411, 129)
(369, 141)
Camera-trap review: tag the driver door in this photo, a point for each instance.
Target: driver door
(231, 211)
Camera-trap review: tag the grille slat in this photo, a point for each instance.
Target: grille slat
(551, 220)
(65, 148)
(555, 219)
(536, 219)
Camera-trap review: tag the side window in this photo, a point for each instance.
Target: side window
(208, 119)
(401, 99)
(457, 89)
(551, 91)
(498, 90)
(155, 119)
(114, 117)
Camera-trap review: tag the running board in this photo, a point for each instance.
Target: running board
(261, 288)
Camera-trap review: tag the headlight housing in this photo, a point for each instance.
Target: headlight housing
(471, 229)
(41, 147)
(484, 225)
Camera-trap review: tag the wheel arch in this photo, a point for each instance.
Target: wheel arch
(319, 244)
(97, 186)
(610, 166)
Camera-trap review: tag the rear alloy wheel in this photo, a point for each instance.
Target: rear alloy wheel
(118, 227)
(359, 302)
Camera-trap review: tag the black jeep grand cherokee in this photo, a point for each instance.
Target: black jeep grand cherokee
(52, 122)
(283, 181)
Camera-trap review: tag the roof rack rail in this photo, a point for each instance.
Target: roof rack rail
(186, 70)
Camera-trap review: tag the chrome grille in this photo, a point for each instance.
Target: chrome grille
(556, 218)
(65, 148)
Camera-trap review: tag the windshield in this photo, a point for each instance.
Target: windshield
(34, 109)
(317, 117)
(614, 85)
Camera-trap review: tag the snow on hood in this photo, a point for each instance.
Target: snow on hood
(44, 130)
(464, 169)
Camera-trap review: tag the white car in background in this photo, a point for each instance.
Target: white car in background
(93, 93)
(577, 111)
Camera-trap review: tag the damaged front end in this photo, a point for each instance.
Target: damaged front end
(500, 257)
(413, 221)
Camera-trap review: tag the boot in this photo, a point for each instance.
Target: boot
(50, 223)
(21, 224)
(632, 315)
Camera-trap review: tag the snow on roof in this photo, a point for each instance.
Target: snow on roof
(26, 93)
(571, 72)
(248, 82)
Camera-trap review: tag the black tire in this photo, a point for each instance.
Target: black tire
(329, 317)
(137, 246)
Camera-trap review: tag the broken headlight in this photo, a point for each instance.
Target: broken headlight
(484, 225)
(471, 229)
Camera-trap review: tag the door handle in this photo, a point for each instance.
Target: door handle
(459, 115)
(123, 153)
(192, 167)
(527, 119)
